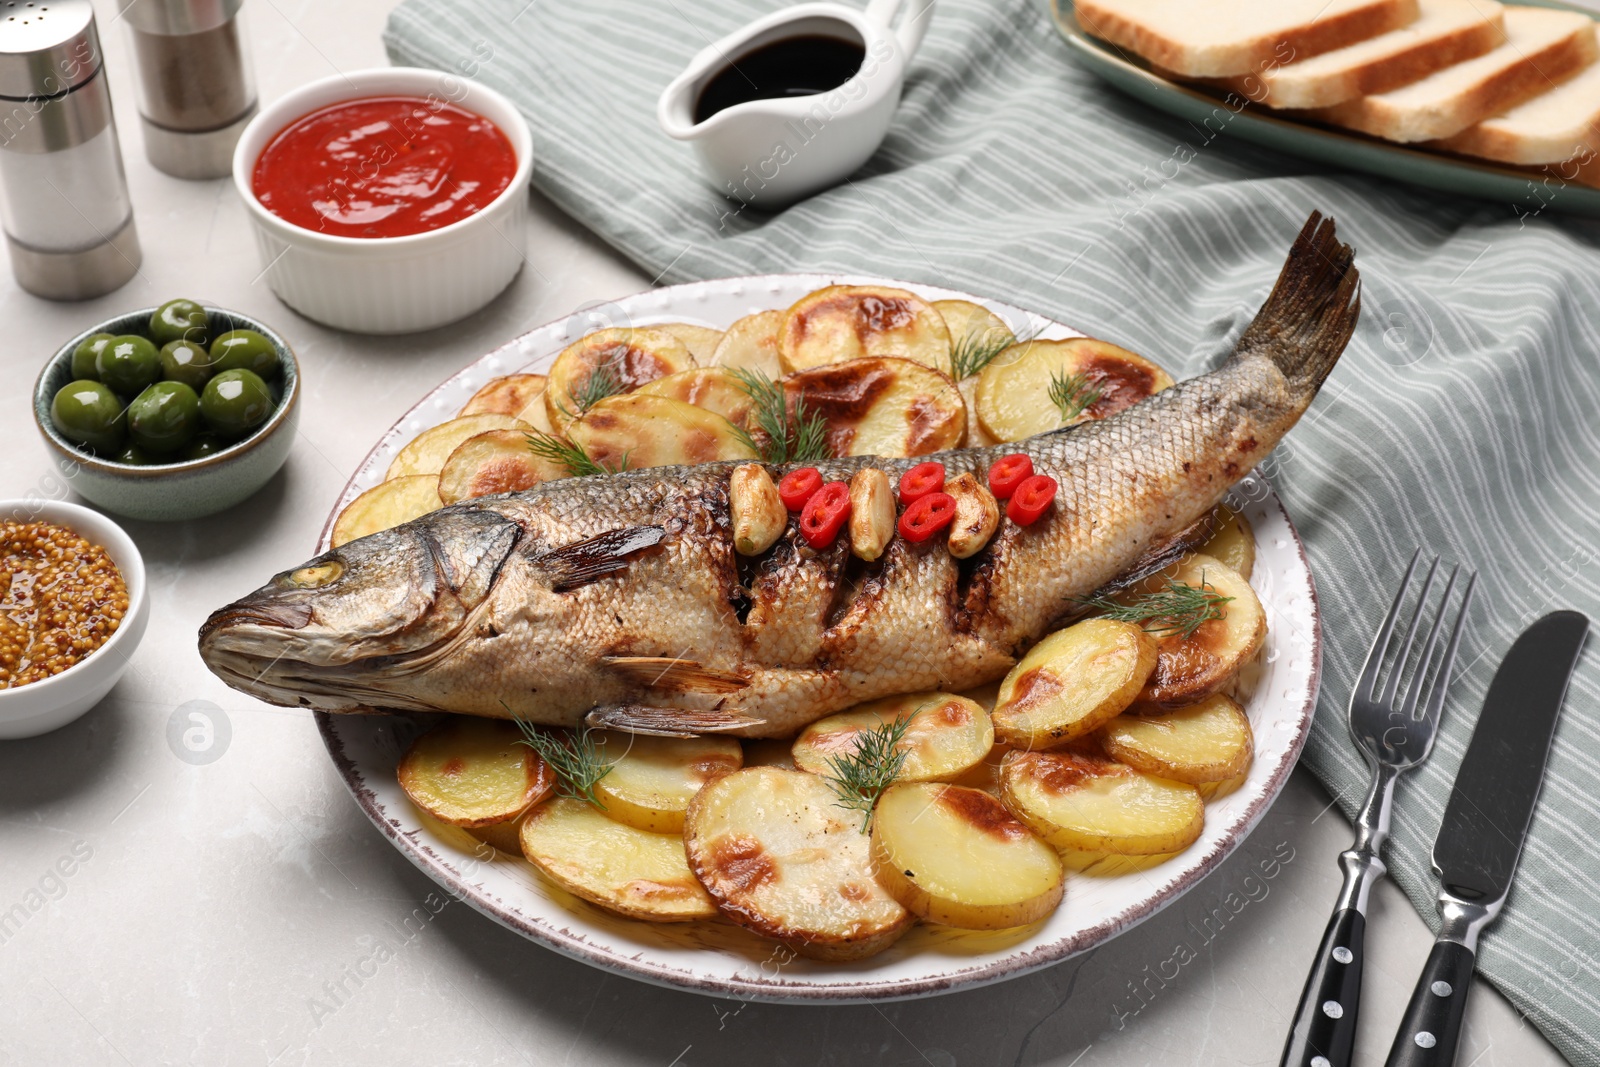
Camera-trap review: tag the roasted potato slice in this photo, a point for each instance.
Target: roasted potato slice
(1201, 744)
(948, 735)
(621, 868)
(495, 462)
(474, 772)
(427, 452)
(610, 361)
(977, 436)
(751, 343)
(652, 779)
(844, 322)
(385, 506)
(637, 430)
(716, 389)
(507, 395)
(701, 341)
(1190, 668)
(782, 858)
(1097, 805)
(502, 836)
(1233, 543)
(976, 335)
(956, 856)
(1072, 683)
(1013, 392)
(882, 407)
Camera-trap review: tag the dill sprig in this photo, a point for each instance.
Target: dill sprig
(973, 351)
(573, 755)
(860, 776)
(602, 382)
(798, 438)
(1073, 394)
(1178, 609)
(569, 456)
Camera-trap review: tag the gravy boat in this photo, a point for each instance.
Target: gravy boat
(772, 152)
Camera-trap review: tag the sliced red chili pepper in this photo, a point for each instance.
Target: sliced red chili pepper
(927, 516)
(921, 480)
(1031, 499)
(1009, 472)
(824, 514)
(798, 486)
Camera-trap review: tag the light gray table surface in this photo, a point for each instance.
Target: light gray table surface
(233, 912)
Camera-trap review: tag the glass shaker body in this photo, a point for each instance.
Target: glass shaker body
(64, 201)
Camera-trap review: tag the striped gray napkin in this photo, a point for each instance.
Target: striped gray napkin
(1463, 416)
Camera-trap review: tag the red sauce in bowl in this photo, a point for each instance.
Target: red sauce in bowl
(384, 166)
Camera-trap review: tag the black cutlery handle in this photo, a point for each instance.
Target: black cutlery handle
(1324, 1032)
(1432, 1022)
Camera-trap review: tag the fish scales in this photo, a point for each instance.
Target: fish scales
(624, 591)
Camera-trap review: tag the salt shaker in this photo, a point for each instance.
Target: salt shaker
(63, 196)
(196, 94)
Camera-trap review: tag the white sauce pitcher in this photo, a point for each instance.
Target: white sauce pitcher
(772, 152)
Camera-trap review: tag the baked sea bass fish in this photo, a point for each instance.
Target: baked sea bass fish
(620, 600)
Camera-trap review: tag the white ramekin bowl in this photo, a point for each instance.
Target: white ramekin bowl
(390, 284)
(38, 708)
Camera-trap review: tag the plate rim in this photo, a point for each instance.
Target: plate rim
(1011, 964)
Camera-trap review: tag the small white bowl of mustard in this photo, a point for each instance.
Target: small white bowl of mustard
(73, 607)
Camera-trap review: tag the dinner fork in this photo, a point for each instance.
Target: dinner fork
(1394, 733)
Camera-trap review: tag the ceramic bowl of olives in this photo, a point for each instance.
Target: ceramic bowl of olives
(171, 412)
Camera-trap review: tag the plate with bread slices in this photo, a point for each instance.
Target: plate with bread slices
(1489, 100)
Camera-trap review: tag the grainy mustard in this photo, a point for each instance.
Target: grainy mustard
(61, 598)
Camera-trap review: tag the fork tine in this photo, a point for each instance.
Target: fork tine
(1367, 684)
(1441, 682)
(1420, 680)
(1393, 685)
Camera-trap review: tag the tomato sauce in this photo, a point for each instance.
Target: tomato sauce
(385, 166)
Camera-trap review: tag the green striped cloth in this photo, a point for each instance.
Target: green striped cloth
(1462, 416)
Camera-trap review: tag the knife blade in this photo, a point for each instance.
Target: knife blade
(1485, 825)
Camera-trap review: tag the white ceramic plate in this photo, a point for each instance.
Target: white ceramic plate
(717, 958)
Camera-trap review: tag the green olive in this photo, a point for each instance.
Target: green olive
(90, 414)
(202, 446)
(164, 417)
(129, 363)
(186, 362)
(83, 357)
(235, 402)
(245, 350)
(134, 456)
(180, 320)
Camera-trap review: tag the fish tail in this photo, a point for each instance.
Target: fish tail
(1311, 312)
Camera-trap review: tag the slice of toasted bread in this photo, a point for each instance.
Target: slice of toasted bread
(1543, 46)
(1240, 36)
(1555, 126)
(1447, 32)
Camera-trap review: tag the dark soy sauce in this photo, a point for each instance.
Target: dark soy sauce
(792, 66)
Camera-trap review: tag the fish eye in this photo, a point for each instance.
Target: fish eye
(315, 576)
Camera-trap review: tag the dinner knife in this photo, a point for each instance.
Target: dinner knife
(1485, 824)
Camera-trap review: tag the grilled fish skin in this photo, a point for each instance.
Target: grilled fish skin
(620, 598)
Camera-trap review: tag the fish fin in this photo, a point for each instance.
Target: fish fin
(679, 675)
(1312, 310)
(582, 562)
(1163, 554)
(666, 722)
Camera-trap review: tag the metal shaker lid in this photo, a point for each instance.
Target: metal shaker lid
(175, 18)
(46, 46)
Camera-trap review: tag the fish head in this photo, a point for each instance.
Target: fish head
(345, 630)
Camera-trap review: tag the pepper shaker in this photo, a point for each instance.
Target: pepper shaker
(63, 196)
(196, 94)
